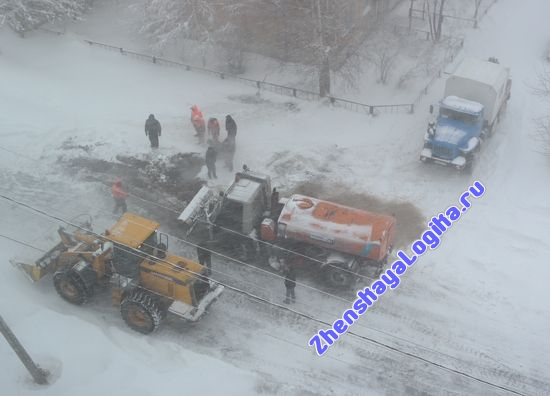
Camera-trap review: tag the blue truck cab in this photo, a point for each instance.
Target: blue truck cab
(475, 98)
(456, 135)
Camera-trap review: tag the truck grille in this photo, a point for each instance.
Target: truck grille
(442, 152)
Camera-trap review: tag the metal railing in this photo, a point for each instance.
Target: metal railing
(263, 85)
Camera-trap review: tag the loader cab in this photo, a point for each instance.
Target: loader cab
(133, 233)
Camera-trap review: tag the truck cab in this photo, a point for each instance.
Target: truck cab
(475, 99)
(245, 202)
(455, 136)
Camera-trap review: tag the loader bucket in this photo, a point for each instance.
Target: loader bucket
(33, 272)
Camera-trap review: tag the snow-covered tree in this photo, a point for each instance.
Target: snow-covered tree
(25, 15)
(166, 21)
(542, 89)
(316, 33)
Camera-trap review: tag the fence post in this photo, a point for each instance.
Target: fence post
(294, 92)
(154, 59)
(40, 376)
(371, 110)
(411, 110)
(332, 99)
(121, 50)
(258, 85)
(222, 76)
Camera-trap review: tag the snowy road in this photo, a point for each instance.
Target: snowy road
(476, 305)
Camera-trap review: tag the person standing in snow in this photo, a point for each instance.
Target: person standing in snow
(290, 284)
(119, 195)
(228, 151)
(152, 130)
(274, 202)
(204, 255)
(210, 159)
(198, 123)
(214, 129)
(230, 126)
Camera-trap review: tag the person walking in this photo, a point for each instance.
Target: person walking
(153, 130)
(290, 284)
(205, 256)
(230, 126)
(213, 128)
(119, 195)
(210, 159)
(197, 120)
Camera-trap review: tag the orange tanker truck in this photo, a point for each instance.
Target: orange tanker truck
(334, 239)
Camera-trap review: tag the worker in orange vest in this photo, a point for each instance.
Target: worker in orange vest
(119, 195)
(198, 123)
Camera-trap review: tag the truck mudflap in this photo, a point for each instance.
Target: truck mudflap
(458, 162)
(192, 313)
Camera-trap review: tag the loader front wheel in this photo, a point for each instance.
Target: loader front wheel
(71, 287)
(141, 312)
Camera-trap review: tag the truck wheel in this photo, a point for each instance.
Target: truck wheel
(140, 312)
(338, 277)
(71, 287)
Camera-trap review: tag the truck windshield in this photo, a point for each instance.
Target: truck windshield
(458, 116)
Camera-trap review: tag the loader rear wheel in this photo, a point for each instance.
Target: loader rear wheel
(71, 287)
(141, 312)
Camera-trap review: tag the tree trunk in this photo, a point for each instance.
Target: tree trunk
(478, 4)
(440, 21)
(324, 77)
(324, 66)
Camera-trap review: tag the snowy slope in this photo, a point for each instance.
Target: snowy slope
(476, 304)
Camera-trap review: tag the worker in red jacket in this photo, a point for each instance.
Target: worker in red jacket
(197, 120)
(119, 195)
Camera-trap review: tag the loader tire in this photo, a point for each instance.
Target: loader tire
(338, 277)
(141, 312)
(71, 287)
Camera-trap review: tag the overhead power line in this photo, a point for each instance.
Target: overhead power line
(263, 300)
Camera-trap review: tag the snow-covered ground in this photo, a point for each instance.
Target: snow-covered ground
(477, 304)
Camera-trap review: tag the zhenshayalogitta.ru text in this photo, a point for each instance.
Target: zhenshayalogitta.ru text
(430, 239)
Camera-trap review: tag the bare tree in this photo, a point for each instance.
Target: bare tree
(542, 87)
(382, 51)
(477, 5)
(435, 18)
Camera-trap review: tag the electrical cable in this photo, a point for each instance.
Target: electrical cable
(261, 299)
(267, 272)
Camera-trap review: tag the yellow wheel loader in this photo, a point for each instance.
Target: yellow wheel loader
(131, 257)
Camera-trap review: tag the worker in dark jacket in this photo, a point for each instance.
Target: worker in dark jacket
(152, 130)
(274, 202)
(228, 151)
(230, 127)
(290, 284)
(210, 159)
(205, 256)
